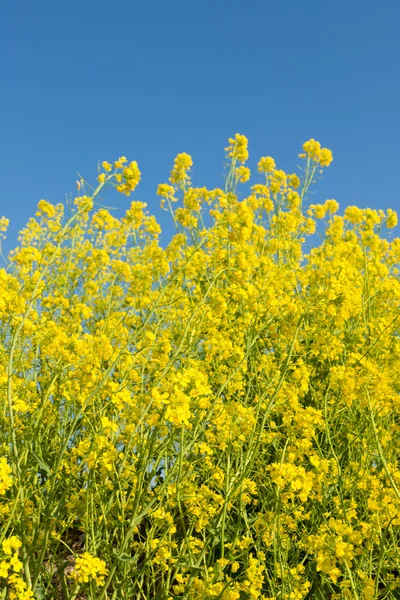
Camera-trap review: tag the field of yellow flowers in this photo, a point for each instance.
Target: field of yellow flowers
(217, 418)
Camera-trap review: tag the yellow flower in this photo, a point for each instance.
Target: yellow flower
(84, 203)
(4, 223)
(391, 219)
(106, 166)
(15, 563)
(5, 476)
(118, 164)
(325, 158)
(45, 208)
(90, 568)
(353, 214)
(129, 177)
(331, 206)
(165, 190)
(313, 149)
(294, 181)
(182, 164)
(20, 589)
(266, 164)
(4, 566)
(334, 574)
(11, 543)
(237, 149)
(242, 174)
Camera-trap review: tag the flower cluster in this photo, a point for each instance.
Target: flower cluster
(182, 164)
(212, 417)
(11, 568)
(313, 150)
(5, 476)
(90, 568)
(237, 149)
(125, 177)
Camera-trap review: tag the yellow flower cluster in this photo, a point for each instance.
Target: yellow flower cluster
(90, 568)
(179, 174)
(212, 417)
(5, 476)
(242, 174)
(313, 150)
(126, 178)
(266, 164)
(10, 569)
(238, 148)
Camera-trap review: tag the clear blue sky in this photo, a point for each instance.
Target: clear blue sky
(87, 80)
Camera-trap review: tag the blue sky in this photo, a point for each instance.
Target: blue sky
(86, 81)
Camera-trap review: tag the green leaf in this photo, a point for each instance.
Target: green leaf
(124, 557)
(41, 463)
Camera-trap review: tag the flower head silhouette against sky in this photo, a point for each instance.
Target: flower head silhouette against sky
(89, 80)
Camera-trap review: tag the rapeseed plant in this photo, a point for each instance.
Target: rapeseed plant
(216, 418)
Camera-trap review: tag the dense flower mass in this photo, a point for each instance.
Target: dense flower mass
(212, 417)
(5, 476)
(88, 568)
